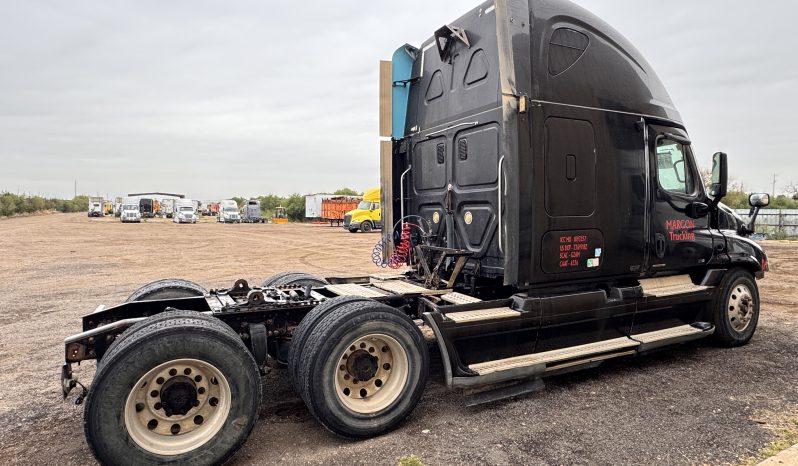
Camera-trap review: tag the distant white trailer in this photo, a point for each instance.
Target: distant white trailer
(313, 202)
(167, 207)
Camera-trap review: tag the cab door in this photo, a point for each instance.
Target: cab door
(679, 239)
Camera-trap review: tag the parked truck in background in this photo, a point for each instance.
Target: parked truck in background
(108, 208)
(524, 256)
(167, 207)
(117, 206)
(146, 207)
(228, 212)
(185, 211)
(250, 212)
(129, 210)
(367, 215)
(213, 208)
(95, 206)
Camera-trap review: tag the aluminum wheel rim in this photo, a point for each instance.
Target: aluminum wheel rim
(740, 307)
(146, 418)
(386, 384)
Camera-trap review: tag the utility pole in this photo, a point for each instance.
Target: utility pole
(774, 185)
(76, 188)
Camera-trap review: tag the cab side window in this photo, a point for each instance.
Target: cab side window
(673, 169)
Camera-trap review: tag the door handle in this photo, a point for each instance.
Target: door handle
(659, 245)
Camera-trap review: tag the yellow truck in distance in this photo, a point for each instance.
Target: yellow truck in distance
(368, 214)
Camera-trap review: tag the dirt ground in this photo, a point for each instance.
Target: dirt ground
(694, 404)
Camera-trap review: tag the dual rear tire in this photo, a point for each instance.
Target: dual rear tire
(360, 366)
(180, 387)
(294, 278)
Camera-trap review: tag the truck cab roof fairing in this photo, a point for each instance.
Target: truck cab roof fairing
(610, 74)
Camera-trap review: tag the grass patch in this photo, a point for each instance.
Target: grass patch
(411, 460)
(785, 430)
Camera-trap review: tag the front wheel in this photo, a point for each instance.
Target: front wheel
(366, 226)
(735, 308)
(184, 390)
(363, 369)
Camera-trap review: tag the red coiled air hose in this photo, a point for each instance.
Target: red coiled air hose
(402, 251)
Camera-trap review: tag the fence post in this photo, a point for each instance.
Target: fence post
(781, 221)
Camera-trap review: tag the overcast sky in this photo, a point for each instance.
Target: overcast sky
(222, 98)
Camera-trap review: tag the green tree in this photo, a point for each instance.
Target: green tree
(295, 207)
(347, 192)
(268, 204)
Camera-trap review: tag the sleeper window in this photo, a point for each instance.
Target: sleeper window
(673, 171)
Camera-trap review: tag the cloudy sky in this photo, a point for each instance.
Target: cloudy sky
(222, 98)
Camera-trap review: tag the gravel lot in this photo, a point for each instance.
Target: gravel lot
(695, 404)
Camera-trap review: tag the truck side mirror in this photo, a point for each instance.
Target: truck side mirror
(759, 200)
(719, 176)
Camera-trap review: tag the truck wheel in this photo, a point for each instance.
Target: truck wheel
(294, 278)
(363, 369)
(305, 328)
(353, 230)
(180, 391)
(167, 289)
(158, 318)
(735, 308)
(366, 226)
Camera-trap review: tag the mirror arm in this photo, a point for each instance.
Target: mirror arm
(752, 221)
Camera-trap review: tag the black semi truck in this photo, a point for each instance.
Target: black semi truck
(539, 190)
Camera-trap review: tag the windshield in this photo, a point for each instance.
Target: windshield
(130, 207)
(364, 205)
(187, 209)
(231, 209)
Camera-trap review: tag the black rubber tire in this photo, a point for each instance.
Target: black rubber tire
(294, 278)
(305, 329)
(168, 288)
(182, 337)
(166, 315)
(277, 276)
(366, 226)
(725, 334)
(353, 230)
(319, 361)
